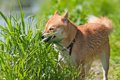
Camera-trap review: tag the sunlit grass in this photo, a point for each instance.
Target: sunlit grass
(23, 56)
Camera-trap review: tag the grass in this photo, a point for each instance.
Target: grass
(23, 56)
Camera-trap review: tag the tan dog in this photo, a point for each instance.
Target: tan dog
(82, 43)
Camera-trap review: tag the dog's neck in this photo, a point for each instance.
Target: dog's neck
(71, 33)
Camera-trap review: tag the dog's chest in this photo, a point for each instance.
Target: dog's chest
(64, 55)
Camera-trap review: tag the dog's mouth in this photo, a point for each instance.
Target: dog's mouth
(48, 39)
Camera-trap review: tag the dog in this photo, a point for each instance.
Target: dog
(84, 44)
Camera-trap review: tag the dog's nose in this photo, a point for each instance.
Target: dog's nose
(42, 37)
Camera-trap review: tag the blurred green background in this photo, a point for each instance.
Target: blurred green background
(23, 56)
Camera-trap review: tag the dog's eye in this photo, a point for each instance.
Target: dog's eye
(51, 29)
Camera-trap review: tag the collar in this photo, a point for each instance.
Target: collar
(70, 46)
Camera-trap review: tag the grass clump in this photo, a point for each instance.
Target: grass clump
(24, 56)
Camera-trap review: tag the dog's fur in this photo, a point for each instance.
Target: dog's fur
(91, 40)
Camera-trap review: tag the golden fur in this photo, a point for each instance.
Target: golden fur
(91, 40)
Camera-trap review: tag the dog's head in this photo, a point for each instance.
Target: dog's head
(56, 28)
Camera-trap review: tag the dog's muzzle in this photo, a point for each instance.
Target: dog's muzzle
(46, 38)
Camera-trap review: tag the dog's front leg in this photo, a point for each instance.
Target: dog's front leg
(82, 73)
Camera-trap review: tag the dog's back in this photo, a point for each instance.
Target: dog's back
(95, 34)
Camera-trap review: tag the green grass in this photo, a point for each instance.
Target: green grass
(23, 56)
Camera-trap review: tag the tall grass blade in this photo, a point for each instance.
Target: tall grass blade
(9, 25)
(22, 17)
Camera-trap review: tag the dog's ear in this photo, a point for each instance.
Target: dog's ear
(56, 12)
(65, 16)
